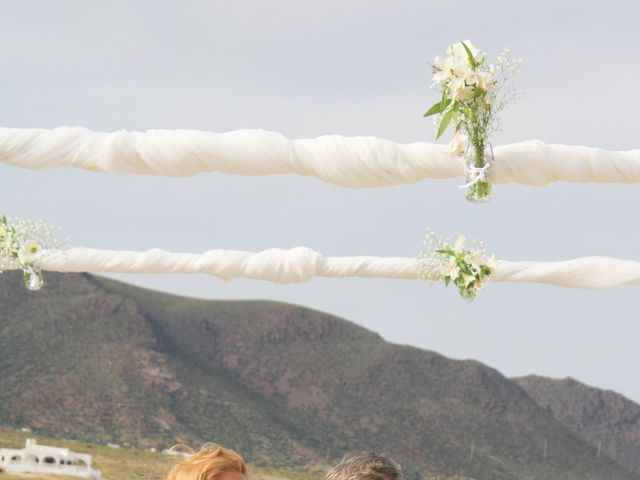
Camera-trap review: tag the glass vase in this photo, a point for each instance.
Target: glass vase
(479, 160)
(32, 277)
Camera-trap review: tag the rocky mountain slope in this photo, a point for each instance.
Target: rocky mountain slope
(607, 420)
(99, 360)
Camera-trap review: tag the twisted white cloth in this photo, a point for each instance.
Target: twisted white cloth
(301, 264)
(296, 265)
(350, 162)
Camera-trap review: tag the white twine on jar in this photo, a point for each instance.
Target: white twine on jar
(479, 173)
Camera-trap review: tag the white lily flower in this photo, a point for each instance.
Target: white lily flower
(458, 144)
(441, 70)
(450, 268)
(468, 279)
(458, 50)
(448, 69)
(460, 91)
(29, 252)
(460, 68)
(486, 81)
(471, 78)
(456, 84)
(476, 257)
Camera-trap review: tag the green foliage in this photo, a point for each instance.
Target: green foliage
(470, 277)
(446, 120)
(472, 60)
(438, 107)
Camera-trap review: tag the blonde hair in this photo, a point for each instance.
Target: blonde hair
(209, 463)
(365, 466)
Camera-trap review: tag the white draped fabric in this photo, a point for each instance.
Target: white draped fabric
(301, 264)
(350, 162)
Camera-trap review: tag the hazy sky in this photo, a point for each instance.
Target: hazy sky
(307, 68)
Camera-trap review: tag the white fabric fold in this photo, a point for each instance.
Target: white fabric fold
(301, 264)
(353, 162)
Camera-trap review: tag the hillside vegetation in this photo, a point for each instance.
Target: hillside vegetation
(286, 386)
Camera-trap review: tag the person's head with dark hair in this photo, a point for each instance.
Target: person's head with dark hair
(365, 466)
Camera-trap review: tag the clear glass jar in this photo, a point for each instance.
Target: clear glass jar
(479, 161)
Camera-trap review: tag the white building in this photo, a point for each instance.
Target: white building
(34, 458)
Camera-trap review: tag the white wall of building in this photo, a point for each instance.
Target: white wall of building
(34, 458)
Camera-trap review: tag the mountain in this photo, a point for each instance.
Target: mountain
(99, 360)
(606, 419)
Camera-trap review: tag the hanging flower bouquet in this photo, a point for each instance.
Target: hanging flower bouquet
(23, 244)
(467, 268)
(472, 96)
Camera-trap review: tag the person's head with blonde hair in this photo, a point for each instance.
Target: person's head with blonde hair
(211, 462)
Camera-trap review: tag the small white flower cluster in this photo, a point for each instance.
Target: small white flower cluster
(446, 260)
(506, 65)
(22, 246)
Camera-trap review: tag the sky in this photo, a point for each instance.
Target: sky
(314, 67)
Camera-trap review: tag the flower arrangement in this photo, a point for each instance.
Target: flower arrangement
(467, 268)
(23, 243)
(472, 94)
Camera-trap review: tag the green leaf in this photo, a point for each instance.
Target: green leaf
(447, 279)
(472, 61)
(461, 263)
(438, 107)
(445, 98)
(445, 122)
